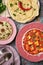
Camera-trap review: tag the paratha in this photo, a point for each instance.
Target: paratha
(23, 10)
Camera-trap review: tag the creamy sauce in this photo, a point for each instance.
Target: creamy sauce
(18, 14)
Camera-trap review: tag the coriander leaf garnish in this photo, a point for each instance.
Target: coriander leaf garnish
(27, 4)
(24, 14)
(2, 7)
(11, 4)
(34, 9)
(14, 14)
(20, 13)
(15, 3)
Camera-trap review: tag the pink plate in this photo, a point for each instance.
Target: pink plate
(32, 58)
(2, 42)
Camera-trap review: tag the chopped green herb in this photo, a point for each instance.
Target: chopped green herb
(20, 13)
(15, 3)
(14, 14)
(2, 7)
(30, 6)
(34, 9)
(18, 0)
(0, 1)
(27, 4)
(8, 34)
(24, 14)
(11, 4)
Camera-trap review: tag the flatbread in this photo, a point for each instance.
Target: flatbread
(23, 16)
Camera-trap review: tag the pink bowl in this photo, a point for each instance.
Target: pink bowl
(2, 42)
(32, 58)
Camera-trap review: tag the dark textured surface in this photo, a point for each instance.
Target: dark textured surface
(19, 26)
